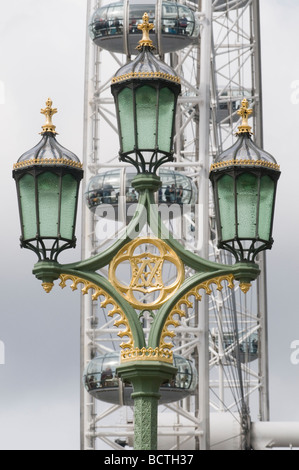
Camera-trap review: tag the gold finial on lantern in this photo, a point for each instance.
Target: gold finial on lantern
(49, 112)
(244, 112)
(145, 27)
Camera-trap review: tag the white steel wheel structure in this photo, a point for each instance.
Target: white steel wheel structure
(224, 335)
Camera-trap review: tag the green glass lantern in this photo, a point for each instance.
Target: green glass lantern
(145, 93)
(244, 180)
(47, 179)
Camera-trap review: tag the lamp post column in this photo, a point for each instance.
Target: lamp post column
(146, 377)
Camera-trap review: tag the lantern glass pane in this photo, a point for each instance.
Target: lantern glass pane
(146, 101)
(48, 200)
(267, 191)
(126, 115)
(68, 206)
(247, 197)
(28, 206)
(226, 196)
(166, 115)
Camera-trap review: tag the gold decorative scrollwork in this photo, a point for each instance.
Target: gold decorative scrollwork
(184, 301)
(146, 273)
(108, 300)
(150, 354)
(47, 161)
(138, 75)
(243, 162)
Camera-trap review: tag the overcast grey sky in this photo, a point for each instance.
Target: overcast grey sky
(42, 47)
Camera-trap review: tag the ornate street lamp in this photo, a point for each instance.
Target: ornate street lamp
(244, 180)
(48, 178)
(145, 93)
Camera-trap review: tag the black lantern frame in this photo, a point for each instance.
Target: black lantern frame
(145, 93)
(136, 156)
(244, 179)
(48, 179)
(47, 247)
(244, 248)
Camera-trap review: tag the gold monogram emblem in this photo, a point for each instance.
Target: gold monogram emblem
(144, 262)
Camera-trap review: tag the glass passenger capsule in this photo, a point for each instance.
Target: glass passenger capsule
(101, 381)
(114, 27)
(248, 350)
(114, 187)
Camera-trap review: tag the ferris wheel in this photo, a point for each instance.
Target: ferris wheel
(220, 349)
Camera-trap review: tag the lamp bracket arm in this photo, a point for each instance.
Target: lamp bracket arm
(48, 272)
(242, 272)
(194, 283)
(131, 231)
(190, 259)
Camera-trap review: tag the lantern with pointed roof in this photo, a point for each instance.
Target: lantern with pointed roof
(145, 93)
(244, 179)
(47, 179)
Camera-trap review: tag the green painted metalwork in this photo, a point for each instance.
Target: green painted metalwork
(49, 272)
(146, 376)
(131, 232)
(247, 272)
(146, 212)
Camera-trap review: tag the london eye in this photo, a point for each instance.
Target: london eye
(215, 48)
